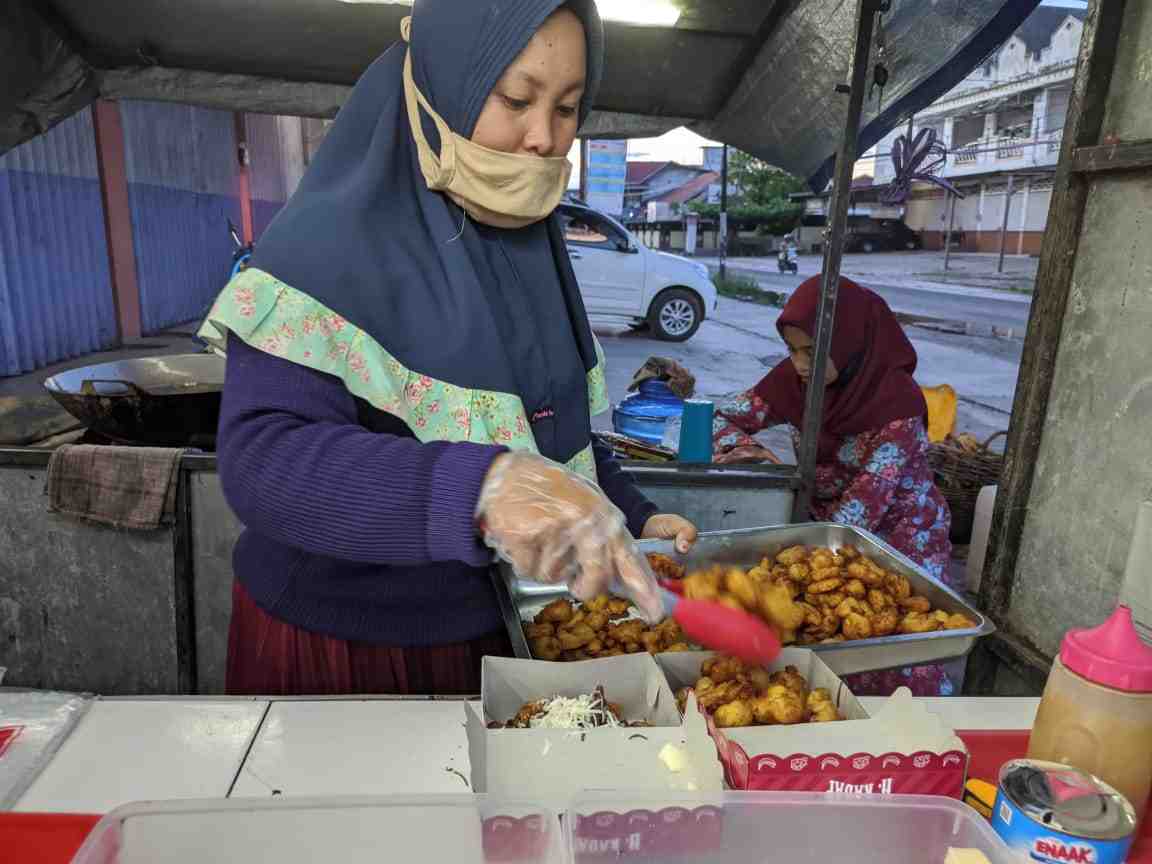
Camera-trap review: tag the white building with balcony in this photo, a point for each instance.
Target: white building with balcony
(1002, 127)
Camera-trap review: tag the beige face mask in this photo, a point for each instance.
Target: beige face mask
(504, 190)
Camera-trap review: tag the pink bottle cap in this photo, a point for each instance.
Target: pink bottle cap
(1112, 654)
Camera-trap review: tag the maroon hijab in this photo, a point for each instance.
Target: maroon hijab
(873, 355)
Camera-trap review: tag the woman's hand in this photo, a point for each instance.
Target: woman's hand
(746, 455)
(669, 526)
(554, 526)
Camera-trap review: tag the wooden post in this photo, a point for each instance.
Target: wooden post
(113, 172)
(1083, 128)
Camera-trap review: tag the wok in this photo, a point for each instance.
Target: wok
(159, 401)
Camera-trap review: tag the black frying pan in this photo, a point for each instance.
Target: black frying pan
(158, 401)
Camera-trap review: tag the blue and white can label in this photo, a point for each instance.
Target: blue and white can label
(1040, 814)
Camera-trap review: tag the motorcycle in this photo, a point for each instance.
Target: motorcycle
(785, 263)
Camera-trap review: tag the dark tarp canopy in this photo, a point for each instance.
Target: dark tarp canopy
(758, 74)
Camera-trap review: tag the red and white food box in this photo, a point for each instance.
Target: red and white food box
(904, 749)
(554, 765)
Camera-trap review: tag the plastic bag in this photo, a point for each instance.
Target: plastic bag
(554, 526)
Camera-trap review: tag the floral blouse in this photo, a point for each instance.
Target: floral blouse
(880, 481)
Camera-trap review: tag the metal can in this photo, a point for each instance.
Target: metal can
(1055, 814)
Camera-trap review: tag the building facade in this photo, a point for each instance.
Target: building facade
(649, 181)
(1002, 127)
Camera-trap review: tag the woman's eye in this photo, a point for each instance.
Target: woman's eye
(566, 110)
(515, 104)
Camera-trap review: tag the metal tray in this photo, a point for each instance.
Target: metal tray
(746, 547)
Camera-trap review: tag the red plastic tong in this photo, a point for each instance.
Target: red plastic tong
(718, 627)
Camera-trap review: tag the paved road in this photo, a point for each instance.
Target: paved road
(983, 308)
(915, 285)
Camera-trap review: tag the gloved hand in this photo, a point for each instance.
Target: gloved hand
(669, 526)
(554, 526)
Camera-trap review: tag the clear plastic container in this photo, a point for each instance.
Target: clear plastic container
(754, 827)
(457, 829)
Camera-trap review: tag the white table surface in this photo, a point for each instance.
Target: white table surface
(131, 750)
(360, 748)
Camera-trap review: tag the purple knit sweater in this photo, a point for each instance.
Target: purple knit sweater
(355, 533)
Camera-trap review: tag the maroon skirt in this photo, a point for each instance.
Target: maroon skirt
(269, 657)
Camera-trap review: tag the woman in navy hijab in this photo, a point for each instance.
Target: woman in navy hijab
(411, 373)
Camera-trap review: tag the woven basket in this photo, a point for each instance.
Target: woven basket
(960, 475)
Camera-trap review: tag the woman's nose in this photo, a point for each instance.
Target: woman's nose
(538, 138)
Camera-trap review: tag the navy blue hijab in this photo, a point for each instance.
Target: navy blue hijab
(478, 307)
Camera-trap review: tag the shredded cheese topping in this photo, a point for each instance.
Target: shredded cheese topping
(574, 712)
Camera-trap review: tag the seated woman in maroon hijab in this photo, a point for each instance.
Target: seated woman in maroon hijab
(872, 471)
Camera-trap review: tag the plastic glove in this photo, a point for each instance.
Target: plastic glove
(669, 526)
(746, 455)
(554, 526)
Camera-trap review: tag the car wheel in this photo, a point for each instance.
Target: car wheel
(675, 315)
(868, 246)
(911, 245)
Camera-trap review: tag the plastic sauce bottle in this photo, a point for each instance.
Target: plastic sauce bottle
(1096, 714)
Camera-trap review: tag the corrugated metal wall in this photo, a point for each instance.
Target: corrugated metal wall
(182, 187)
(55, 287)
(276, 148)
(56, 298)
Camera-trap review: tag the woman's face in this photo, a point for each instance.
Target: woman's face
(800, 349)
(534, 109)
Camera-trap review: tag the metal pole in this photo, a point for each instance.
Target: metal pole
(833, 252)
(1023, 216)
(948, 234)
(1004, 224)
(724, 212)
(583, 169)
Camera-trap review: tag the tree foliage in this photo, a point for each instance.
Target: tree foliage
(760, 197)
(759, 183)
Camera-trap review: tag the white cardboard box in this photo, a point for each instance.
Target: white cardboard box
(553, 765)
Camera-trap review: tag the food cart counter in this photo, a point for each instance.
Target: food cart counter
(160, 748)
(126, 749)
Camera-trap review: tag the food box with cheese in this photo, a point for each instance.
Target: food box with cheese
(795, 726)
(547, 731)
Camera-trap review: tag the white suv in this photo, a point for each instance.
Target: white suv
(621, 277)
